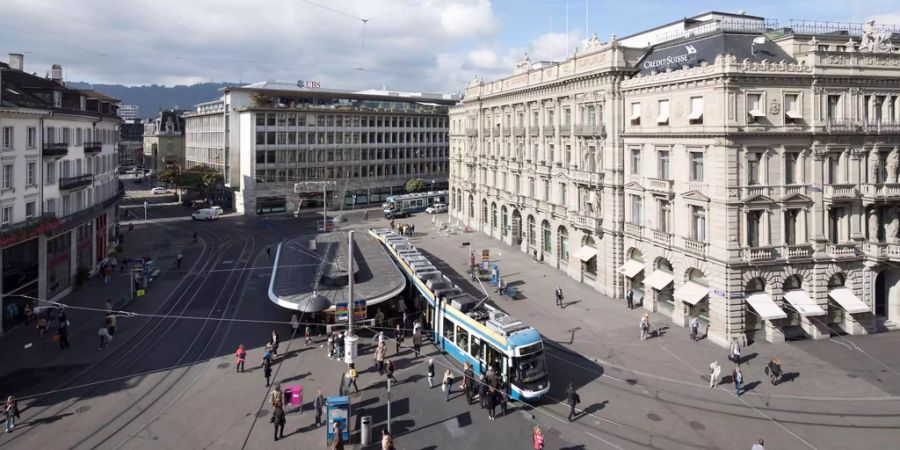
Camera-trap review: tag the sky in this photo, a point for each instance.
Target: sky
(408, 45)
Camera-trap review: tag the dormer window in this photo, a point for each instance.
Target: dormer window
(823, 47)
(82, 102)
(57, 99)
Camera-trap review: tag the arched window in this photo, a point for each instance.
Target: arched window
(504, 222)
(532, 231)
(697, 276)
(792, 283)
(664, 265)
(471, 206)
(636, 255)
(563, 234)
(590, 266)
(548, 237)
(493, 215)
(484, 211)
(837, 280)
(754, 286)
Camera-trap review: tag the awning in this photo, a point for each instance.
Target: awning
(659, 279)
(794, 114)
(631, 268)
(764, 306)
(756, 113)
(586, 253)
(848, 300)
(696, 115)
(800, 300)
(691, 292)
(663, 117)
(635, 114)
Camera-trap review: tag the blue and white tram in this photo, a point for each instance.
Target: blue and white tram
(469, 330)
(417, 202)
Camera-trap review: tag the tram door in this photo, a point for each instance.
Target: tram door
(497, 360)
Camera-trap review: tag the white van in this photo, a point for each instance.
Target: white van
(205, 214)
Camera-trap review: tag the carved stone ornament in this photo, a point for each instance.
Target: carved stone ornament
(475, 81)
(774, 107)
(678, 110)
(524, 64)
(592, 43)
(875, 39)
(892, 163)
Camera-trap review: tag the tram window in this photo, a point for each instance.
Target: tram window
(476, 348)
(462, 339)
(448, 330)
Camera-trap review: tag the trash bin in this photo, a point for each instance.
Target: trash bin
(365, 433)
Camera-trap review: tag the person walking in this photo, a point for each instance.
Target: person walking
(42, 324)
(573, 399)
(773, 369)
(714, 371)
(491, 402)
(502, 397)
(111, 320)
(103, 332)
(352, 375)
(537, 436)
(11, 409)
(330, 346)
(759, 445)
(738, 378)
(274, 343)
(559, 296)
(267, 370)
(267, 356)
(178, 259)
(279, 421)
(195, 234)
(629, 299)
(295, 325)
(390, 371)
(109, 306)
(365, 216)
(735, 355)
(276, 398)
(338, 443)
(398, 338)
(447, 385)
(240, 356)
(307, 335)
(319, 405)
(63, 335)
(430, 372)
(695, 328)
(131, 228)
(268, 252)
(379, 358)
(468, 379)
(387, 443)
(645, 326)
(482, 391)
(417, 343)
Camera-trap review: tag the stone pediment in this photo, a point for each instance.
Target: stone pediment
(696, 196)
(634, 186)
(796, 198)
(559, 173)
(758, 199)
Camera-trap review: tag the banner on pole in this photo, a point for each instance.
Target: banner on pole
(341, 313)
(359, 309)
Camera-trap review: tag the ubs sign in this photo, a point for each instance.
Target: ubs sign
(308, 84)
(684, 58)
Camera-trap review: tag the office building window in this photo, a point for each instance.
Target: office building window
(664, 219)
(30, 170)
(663, 164)
(635, 161)
(834, 172)
(833, 111)
(637, 205)
(31, 137)
(696, 115)
(754, 224)
(791, 217)
(792, 108)
(753, 168)
(698, 224)
(790, 168)
(635, 116)
(754, 107)
(29, 210)
(5, 216)
(663, 117)
(696, 166)
(7, 176)
(7, 138)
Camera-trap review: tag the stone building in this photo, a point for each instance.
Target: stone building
(164, 141)
(729, 169)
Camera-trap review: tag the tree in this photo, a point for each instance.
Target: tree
(415, 185)
(201, 179)
(168, 176)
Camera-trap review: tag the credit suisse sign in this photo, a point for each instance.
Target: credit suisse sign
(685, 58)
(308, 84)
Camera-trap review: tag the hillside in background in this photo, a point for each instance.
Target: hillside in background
(150, 99)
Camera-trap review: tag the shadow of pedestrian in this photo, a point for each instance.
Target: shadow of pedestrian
(788, 376)
(746, 358)
(750, 386)
(45, 420)
(568, 304)
(574, 447)
(296, 377)
(595, 407)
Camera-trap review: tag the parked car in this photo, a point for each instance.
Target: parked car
(159, 190)
(436, 208)
(205, 214)
(217, 208)
(399, 214)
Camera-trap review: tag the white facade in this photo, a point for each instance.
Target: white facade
(129, 112)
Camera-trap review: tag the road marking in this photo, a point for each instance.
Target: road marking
(228, 261)
(603, 440)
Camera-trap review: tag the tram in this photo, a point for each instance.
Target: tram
(470, 330)
(412, 203)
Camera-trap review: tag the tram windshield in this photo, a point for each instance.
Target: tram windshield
(531, 367)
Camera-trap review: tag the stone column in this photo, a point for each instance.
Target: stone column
(773, 331)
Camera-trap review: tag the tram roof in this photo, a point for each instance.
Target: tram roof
(417, 195)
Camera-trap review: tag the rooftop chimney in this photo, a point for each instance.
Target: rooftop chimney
(56, 73)
(16, 61)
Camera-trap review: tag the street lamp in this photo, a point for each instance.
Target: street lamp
(307, 186)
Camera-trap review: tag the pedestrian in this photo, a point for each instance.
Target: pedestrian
(11, 409)
(338, 443)
(468, 379)
(387, 443)
(773, 369)
(365, 216)
(111, 324)
(352, 375)
(276, 398)
(573, 399)
(537, 436)
(645, 326)
(759, 445)
(339, 345)
(107, 273)
(63, 319)
(195, 236)
(63, 335)
(379, 358)
(178, 259)
(491, 401)
(417, 343)
(398, 338)
(319, 405)
(104, 336)
(267, 356)
(267, 370)
(268, 252)
(714, 371)
(379, 319)
(447, 384)
(417, 326)
(42, 324)
(430, 372)
(241, 356)
(735, 355)
(274, 343)
(279, 422)
(390, 371)
(109, 306)
(482, 391)
(559, 296)
(307, 334)
(738, 378)
(695, 328)
(29, 313)
(502, 397)
(331, 346)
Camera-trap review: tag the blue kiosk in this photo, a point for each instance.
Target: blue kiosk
(337, 410)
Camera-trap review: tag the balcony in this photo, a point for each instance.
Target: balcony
(505, 131)
(799, 251)
(754, 254)
(696, 247)
(565, 130)
(55, 150)
(471, 132)
(586, 178)
(841, 250)
(886, 191)
(662, 237)
(549, 131)
(558, 211)
(534, 131)
(794, 189)
(71, 183)
(93, 147)
(585, 222)
(748, 192)
(519, 131)
(635, 231)
(658, 185)
(861, 126)
(840, 191)
(590, 131)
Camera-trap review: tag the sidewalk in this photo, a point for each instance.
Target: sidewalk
(605, 331)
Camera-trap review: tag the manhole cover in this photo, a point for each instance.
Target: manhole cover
(654, 417)
(852, 375)
(223, 365)
(83, 409)
(697, 425)
(262, 413)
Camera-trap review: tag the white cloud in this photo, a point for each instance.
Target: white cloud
(469, 18)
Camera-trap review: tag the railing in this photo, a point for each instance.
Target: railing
(565, 130)
(799, 251)
(93, 147)
(875, 249)
(810, 27)
(549, 130)
(534, 131)
(588, 178)
(793, 189)
(886, 190)
(662, 237)
(893, 251)
(558, 211)
(658, 185)
(695, 247)
(841, 250)
(758, 254)
(590, 130)
(634, 230)
(861, 126)
(753, 191)
(840, 191)
(519, 131)
(586, 222)
(55, 149)
(66, 183)
(77, 218)
(505, 131)
(471, 132)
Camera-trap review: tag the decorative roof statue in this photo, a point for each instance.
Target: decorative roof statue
(524, 64)
(875, 39)
(592, 43)
(475, 81)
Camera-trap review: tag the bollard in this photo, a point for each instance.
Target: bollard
(365, 432)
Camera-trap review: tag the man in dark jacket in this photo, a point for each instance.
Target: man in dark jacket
(491, 402)
(279, 421)
(573, 399)
(482, 392)
(318, 404)
(398, 338)
(417, 343)
(469, 375)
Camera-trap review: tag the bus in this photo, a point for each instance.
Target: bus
(411, 203)
(469, 330)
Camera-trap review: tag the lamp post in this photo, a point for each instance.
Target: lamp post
(351, 339)
(307, 186)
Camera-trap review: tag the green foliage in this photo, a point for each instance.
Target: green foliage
(415, 185)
